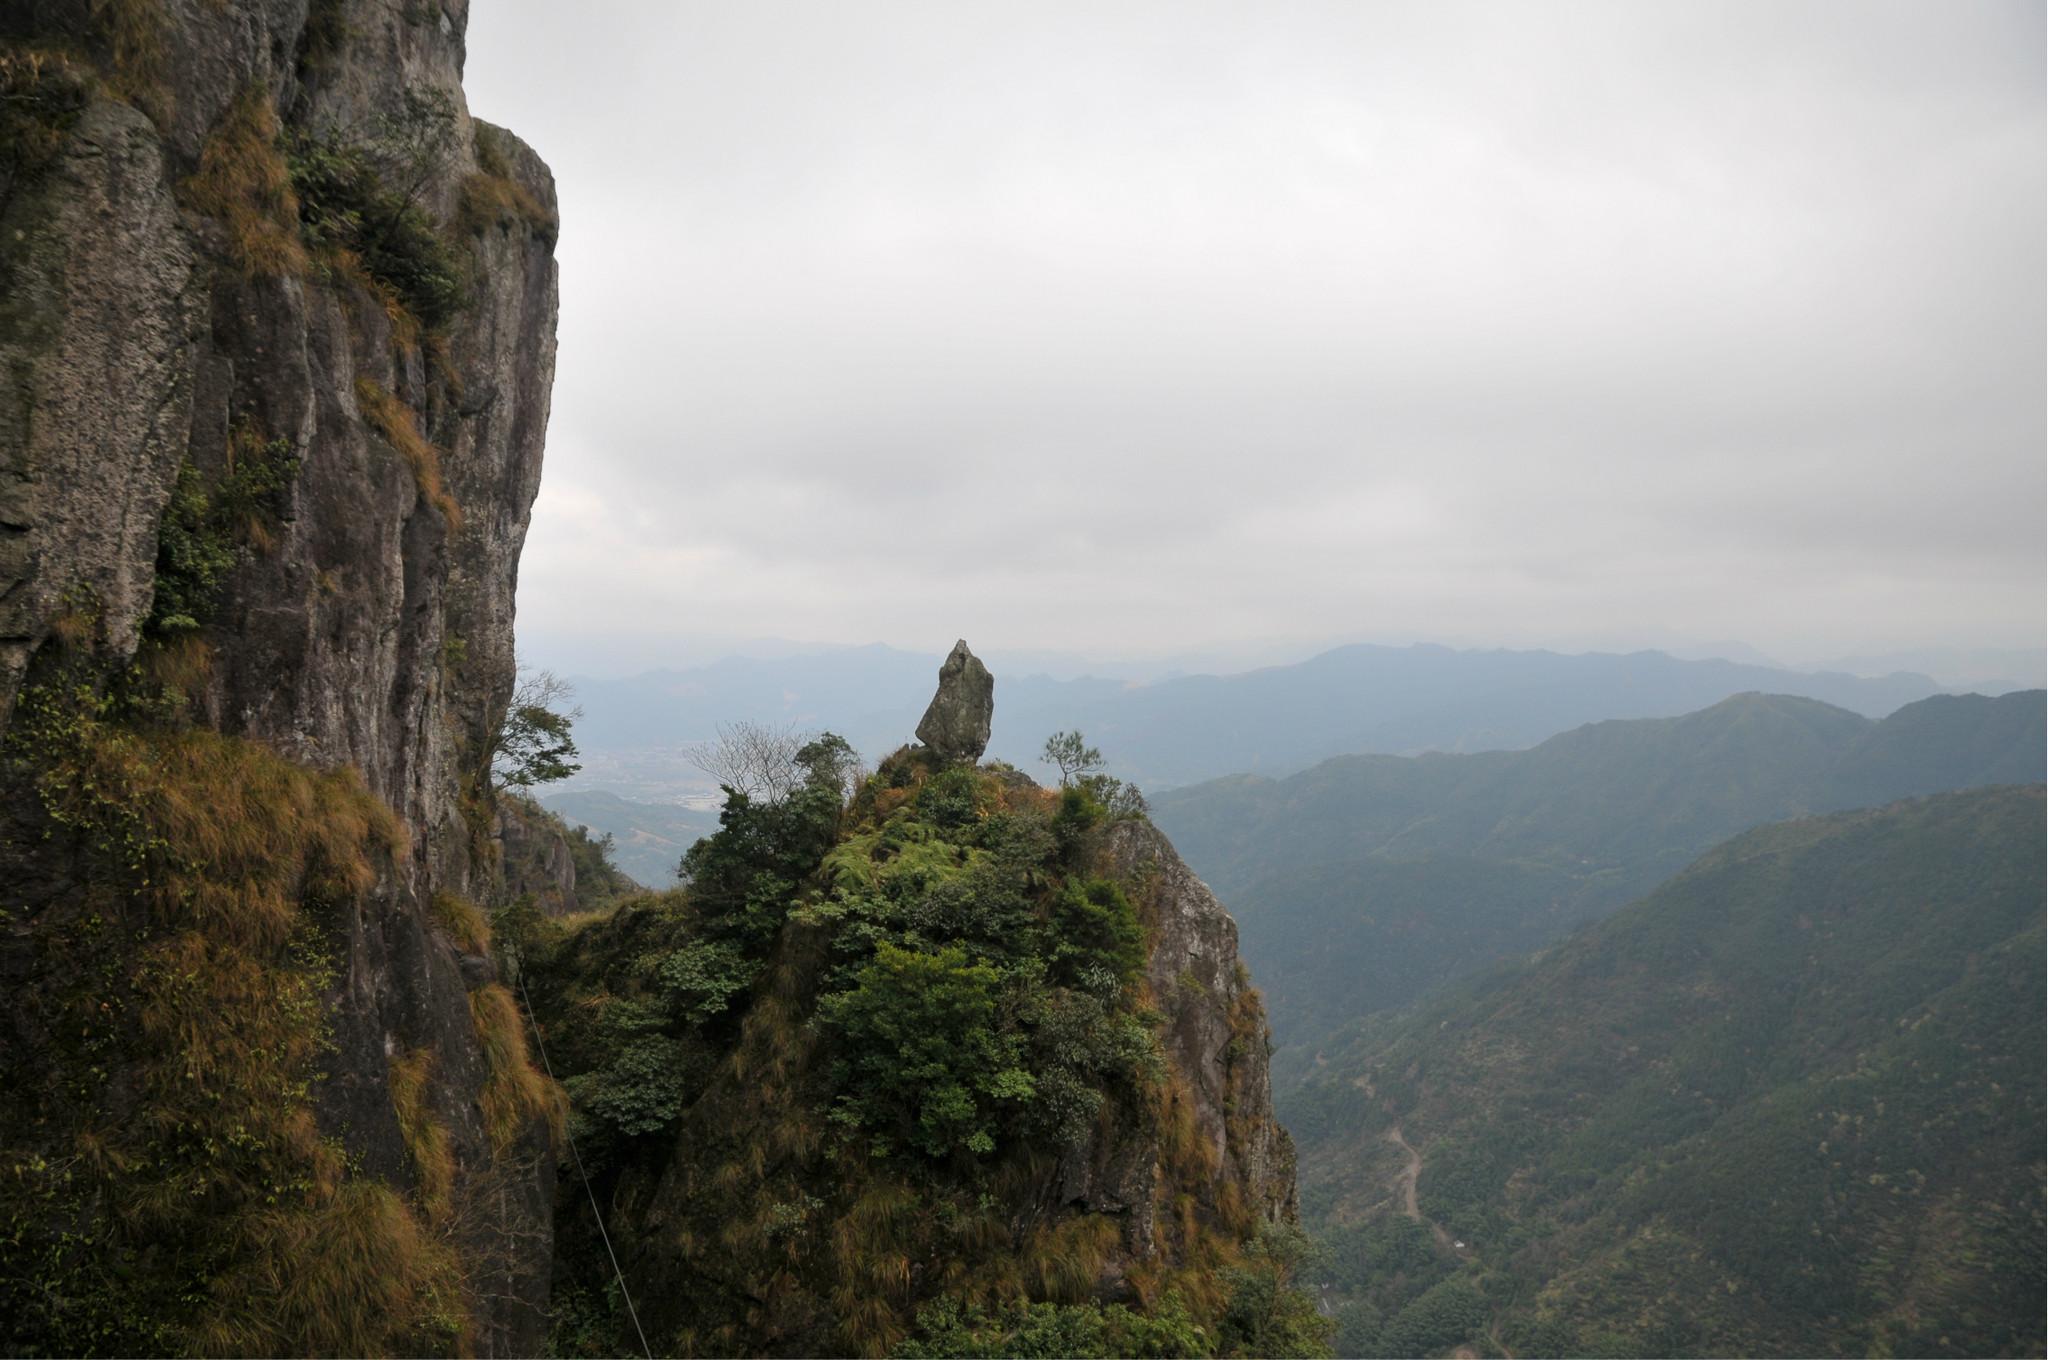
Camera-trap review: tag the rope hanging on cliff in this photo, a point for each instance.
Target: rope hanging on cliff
(596, 1213)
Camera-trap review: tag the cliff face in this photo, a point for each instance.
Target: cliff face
(276, 343)
(1213, 1029)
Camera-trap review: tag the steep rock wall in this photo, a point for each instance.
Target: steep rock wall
(1214, 1029)
(149, 337)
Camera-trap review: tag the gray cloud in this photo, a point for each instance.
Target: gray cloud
(1140, 327)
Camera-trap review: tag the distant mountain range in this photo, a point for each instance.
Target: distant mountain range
(1397, 700)
(1789, 1104)
(1363, 883)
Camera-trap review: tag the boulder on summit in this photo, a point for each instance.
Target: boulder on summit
(956, 725)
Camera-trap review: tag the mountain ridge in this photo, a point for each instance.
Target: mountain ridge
(1470, 858)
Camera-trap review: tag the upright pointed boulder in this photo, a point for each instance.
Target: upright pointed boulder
(956, 725)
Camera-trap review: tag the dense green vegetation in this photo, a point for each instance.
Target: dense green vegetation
(1368, 881)
(1789, 1104)
(823, 1084)
(359, 205)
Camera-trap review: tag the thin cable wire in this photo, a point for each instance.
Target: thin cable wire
(596, 1213)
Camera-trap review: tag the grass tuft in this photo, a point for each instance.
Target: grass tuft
(394, 420)
(358, 1275)
(426, 1137)
(516, 1093)
(493, 199)
(463, 921)
(242, 180)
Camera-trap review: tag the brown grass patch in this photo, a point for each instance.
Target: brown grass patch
(1064, 1261)
(130, 35)
(394, 420)
(463, 921)
(516, 1093)
(493, 198)
(211, 978)
(426, 1138)
(356, 1276)
(242, 180)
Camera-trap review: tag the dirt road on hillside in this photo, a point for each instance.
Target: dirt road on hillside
(1404, 1181)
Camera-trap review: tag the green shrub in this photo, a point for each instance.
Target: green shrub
(641, 1091)
(1095, 940)
(702, 977)
(210, 523)
(949, 1329)
(927, 1059)
(348, 212)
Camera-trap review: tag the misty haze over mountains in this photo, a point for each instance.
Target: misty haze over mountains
(1183, 729)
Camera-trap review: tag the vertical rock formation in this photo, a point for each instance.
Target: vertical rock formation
(956, 723)
(1213, 1026)
(276, 343)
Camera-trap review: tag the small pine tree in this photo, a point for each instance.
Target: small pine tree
(1074, 756)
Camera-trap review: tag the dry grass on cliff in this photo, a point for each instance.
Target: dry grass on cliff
(493, 198)
(359, 1275)
(129, 37)
(243, 181)
(394, 420)
(463, 920)
(215, 1215)
(516, 1093)
(426, 1137)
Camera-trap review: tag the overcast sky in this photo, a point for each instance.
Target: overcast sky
(1143, 328)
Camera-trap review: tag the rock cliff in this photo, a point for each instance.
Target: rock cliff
(276, 344)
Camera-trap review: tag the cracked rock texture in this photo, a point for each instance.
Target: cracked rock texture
(1215, 1037)
(377, 630)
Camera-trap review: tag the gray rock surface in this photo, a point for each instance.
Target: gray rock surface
(956, 725)
(100, 314)
(376, 632)
(535, 856)
(1214, 1036)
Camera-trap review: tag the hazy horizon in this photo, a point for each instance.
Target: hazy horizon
(1240, 330)
(1954, 668)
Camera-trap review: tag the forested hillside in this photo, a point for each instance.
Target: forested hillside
(1791, 1103)
(1367, 881)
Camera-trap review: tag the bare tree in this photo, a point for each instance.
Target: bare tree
(757, 759)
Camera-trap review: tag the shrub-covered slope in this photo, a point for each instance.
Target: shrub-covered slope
(1792, 1103)
(1370, 880)
(959, 1065)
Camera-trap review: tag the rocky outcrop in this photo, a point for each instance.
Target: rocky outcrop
(97, 285)
(956, 724)
(535, 857)
(1214, 1029)
(165, 319)
(1216, 1043)
(812, 1184)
